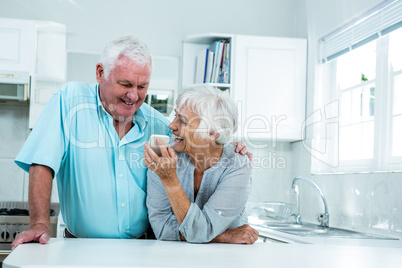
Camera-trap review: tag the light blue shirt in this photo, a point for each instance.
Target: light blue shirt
(101, 179)
(219, 204)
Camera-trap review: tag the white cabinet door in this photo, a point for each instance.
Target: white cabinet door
(50, 66)
(51, 51)
(16, 44)
(270, 87)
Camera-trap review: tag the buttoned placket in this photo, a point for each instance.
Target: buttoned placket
(121, 176)
(122, 188)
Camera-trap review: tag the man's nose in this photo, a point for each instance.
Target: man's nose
(132, 93)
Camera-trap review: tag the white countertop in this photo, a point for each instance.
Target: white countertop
(151, 253)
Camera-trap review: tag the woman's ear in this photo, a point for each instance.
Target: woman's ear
(213, 135)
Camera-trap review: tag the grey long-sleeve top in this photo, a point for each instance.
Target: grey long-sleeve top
(218, 206)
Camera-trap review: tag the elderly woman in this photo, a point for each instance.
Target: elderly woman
(198, 191)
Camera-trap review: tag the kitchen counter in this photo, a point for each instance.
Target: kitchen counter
(80, 253)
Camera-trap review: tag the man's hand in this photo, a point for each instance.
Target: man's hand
(38, 233)
(241, 148)
(40, 188)
(240, 235)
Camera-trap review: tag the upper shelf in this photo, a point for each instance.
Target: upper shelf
(206, 38)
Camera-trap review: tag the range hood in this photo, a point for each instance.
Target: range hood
(14, 85)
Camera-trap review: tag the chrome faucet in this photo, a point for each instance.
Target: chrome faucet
(323, 218)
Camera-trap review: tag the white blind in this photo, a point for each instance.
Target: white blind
(378, 21)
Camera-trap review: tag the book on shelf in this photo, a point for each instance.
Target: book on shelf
(213, 63)
(215, 78)
(214, 47)
(223, 58)
(200, 72)
(224, 75)
(210, 62)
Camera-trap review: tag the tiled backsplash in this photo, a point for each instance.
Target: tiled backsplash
(13, 133)
(365, 200)
(271, 171)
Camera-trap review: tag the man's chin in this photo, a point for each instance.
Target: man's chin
(123, 117)
(127, 112)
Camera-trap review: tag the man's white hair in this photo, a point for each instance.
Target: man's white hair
(129, 46)
(216, 110)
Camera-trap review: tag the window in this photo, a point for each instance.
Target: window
(361, 74)
(395, 62)
(356, 80)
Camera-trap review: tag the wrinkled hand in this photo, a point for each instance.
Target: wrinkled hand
(164, 166)
(37, 233)
(241, 148)
(240, 235)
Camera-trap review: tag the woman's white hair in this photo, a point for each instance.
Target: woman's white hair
(216, 110)
(129, 46)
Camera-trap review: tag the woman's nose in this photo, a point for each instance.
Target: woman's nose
(172, 125)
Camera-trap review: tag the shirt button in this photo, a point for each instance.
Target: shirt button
(121, 175)
(118, 149)
(220, 212)
(123, 230)
(123, 205)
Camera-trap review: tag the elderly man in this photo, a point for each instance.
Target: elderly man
(92, 137)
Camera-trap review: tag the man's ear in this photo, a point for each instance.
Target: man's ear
(100, 74)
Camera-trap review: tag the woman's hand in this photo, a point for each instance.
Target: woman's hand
(164, 166)
(240, 235)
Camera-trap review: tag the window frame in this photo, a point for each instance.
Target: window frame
(382, 160)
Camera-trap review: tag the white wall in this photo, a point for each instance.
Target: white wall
(162, 25)
(354, 200)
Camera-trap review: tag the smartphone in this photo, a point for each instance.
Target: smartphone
(155, 146)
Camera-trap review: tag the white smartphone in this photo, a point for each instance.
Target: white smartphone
(155, 146)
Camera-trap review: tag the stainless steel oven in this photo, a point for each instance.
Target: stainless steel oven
(14, 218)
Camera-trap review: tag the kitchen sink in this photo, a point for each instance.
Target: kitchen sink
(275, 219)
(283, 225)
(311, 230)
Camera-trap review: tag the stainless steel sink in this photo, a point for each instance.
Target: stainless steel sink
(311, 230)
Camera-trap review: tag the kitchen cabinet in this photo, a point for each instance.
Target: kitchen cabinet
(268, 83)
(270, 86)
(49, 72)
(16, 44)
(39, 49)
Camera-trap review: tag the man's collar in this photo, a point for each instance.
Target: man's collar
(98, 100)
(140, 119)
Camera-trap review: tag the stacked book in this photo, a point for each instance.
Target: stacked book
(213, 63)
